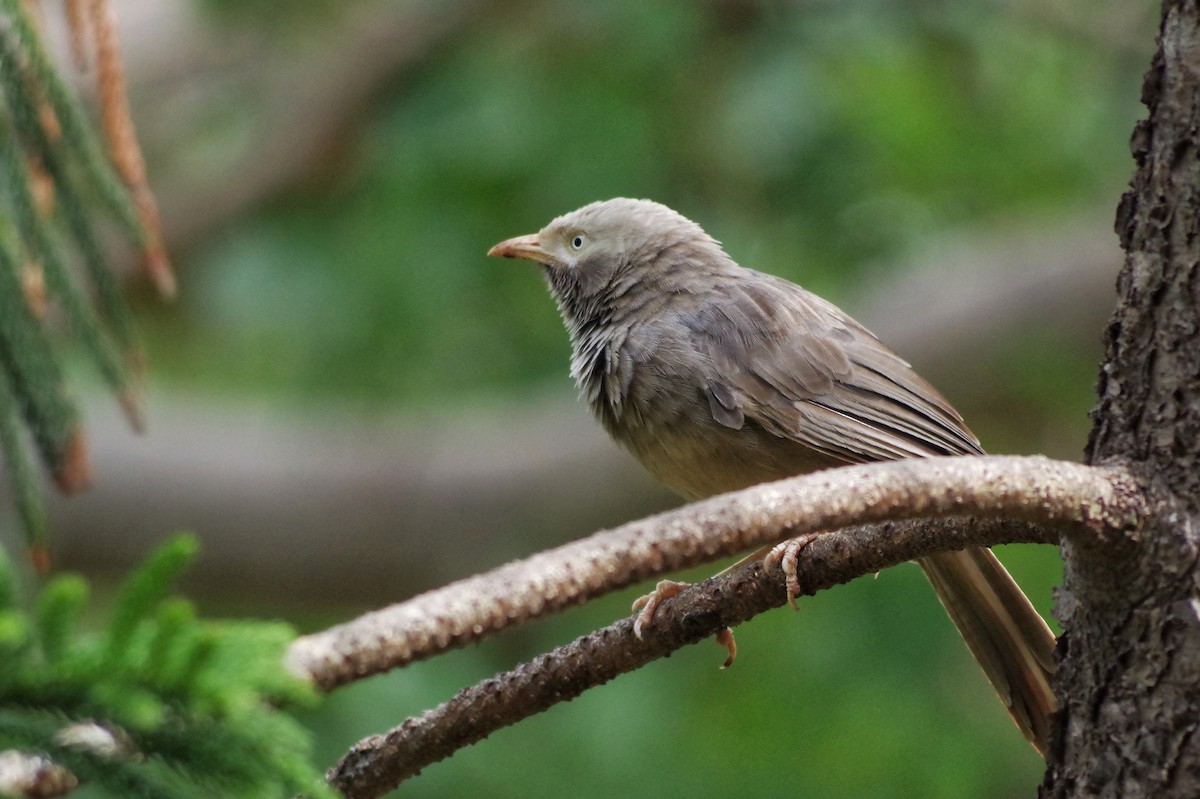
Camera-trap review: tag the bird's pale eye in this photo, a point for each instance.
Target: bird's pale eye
(577, 242)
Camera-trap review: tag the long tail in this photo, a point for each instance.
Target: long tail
(1009, 639)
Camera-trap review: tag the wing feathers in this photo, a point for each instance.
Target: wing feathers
(802, 369)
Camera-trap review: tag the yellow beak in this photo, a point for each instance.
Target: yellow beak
(527, 248)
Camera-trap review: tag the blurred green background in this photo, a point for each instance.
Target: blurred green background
(331, 176)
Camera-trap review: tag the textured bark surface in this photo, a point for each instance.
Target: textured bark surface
(1130, 676)
(1062, 498)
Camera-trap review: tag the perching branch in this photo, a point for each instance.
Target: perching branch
(1062, 498)
(379, 763)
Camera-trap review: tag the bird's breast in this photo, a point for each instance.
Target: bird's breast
(662, 415)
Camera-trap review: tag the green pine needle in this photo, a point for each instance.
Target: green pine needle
(25, 46)
(25, 487)
(23, 117)
(8, 585)
(147, 588)
(59, 609)
(194, 708)
(108, 293)
(32, 370)
(84, 181)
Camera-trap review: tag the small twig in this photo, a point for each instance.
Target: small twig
(77, 30)
(123, 145)
(377, 764)
(1054, 494)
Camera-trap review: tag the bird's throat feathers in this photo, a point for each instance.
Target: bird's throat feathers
(595, 339)
(637, 261)
(601, 323)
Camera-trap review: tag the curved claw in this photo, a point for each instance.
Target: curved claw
(787, 557)
(725, 639)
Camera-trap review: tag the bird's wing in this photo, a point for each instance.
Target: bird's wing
(801, 368)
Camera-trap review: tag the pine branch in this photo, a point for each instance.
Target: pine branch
(54, 175)
(25, 488)
(160, 704)
(34, 377)
(23, 40)
(23, 118)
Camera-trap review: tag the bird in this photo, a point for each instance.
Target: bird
(717, 377)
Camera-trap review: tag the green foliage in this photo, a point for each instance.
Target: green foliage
(193, 708)
(28, 499)
(43, 131)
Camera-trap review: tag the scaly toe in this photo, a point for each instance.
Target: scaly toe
(649, 603)
(787, 556)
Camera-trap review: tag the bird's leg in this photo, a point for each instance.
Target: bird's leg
(786, 556)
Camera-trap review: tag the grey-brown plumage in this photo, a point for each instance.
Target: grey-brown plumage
(718, 377)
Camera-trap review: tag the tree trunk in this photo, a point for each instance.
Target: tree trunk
(1129, 680)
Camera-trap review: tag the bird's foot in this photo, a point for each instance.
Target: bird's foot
(787, 557)
(646, 605)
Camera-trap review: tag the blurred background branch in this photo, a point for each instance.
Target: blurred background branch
(302, 97)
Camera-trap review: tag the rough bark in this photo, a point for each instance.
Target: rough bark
(1131, 659)
(1059, 497)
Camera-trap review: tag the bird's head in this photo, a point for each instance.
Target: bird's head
(604, 250)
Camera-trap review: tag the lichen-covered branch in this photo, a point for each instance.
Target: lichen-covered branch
(1056, 495)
